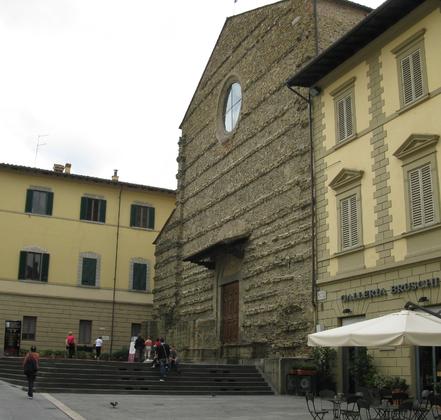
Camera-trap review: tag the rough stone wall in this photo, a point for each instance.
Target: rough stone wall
(258, 181)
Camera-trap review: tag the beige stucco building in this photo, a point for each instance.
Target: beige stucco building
(76, 254)
(376, 101)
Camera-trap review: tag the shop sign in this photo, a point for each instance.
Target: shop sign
(394, 290)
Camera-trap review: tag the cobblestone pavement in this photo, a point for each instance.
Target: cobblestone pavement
(14, 405)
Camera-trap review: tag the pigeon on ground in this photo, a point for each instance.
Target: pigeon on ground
(114, 403)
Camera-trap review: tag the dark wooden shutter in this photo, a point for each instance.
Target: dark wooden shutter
(83, 210)
(102, 216)
(133, 215)
(22, 265)
(88, 275)
(139, 276)
(151, 216)
(28, 206)
(49, 203)
(45, 267)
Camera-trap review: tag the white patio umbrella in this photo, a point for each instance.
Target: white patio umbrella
(395, 329)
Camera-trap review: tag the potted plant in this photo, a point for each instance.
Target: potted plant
(398, 385)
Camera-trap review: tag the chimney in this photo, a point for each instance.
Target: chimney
(67, 168)
(58, 168)
(115, 176)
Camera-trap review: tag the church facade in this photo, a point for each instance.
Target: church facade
(233, 274)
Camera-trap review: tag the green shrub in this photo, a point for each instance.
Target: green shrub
(121, 355)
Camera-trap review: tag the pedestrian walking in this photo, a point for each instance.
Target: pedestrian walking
(70, 344)
(163, 353)
(31, 364)
(139, 348)
(98, 345)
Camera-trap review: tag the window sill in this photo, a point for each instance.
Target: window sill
(92, 221)
(32, 281)
(349, 251)
(88, 286)
(140, 291)
(413, 104)
(142, 228)
(421, 230)
(29, 213)
(344, 142)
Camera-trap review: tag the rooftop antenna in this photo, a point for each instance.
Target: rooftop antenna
(38, 146)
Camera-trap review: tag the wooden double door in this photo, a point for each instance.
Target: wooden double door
(230, 313)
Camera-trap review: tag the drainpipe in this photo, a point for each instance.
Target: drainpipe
(313, 216)
(115, 272)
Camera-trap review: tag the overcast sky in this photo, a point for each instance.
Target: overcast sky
(104, 84)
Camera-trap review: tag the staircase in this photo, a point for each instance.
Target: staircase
(100, 377)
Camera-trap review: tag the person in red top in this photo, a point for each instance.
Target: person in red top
(31, 364)
(70, 344)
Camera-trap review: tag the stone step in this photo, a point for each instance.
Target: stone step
(80, 376)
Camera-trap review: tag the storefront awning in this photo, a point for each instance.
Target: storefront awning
(395, 329)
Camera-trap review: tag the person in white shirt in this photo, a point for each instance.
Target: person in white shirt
(98, 345)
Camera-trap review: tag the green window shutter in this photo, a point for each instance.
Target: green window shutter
(49, 203)
(83, 208)
(88, 276)
(151, 216)
(45, 267)
(139, 276)
(22, 265)
(133, 215)
(28, 206)
(102, 216)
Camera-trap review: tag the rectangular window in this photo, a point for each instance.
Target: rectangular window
(33, 266)
(345, 117)
(142, 216)
(135, 330)
(29, 328)
(422, 206)
(349, 222)
(93, 209)
(88, 272)
(411, 65)
(85, 336)
(39, 202)
(412, 77)
(139, 276)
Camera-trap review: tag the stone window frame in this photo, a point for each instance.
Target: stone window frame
(416, 152)
(403, 50)
(221, 133)
(346, 184)
(345, 90)
(140, 260)
(95, 256)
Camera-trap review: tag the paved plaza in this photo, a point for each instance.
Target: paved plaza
(14, 405)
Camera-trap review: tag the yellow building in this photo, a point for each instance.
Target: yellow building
(376, 103)
(77, 255)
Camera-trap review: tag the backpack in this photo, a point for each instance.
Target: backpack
(31, 365)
